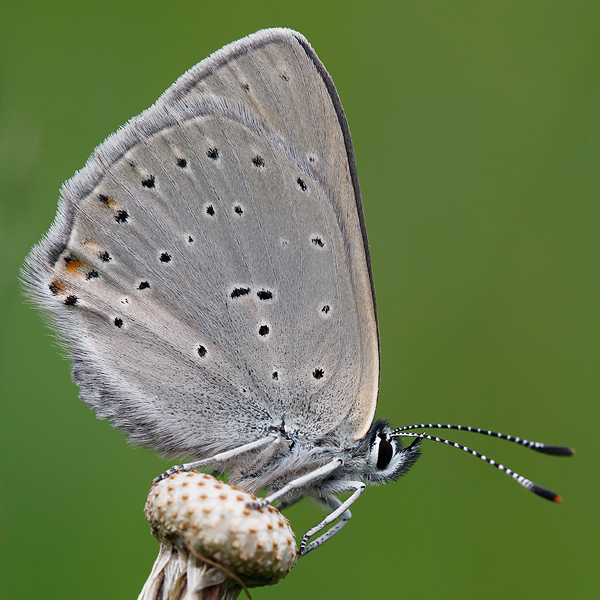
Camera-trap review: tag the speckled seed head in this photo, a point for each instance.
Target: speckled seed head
(212, 518)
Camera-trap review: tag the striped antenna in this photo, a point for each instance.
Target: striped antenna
(537, 446)
(529, 485)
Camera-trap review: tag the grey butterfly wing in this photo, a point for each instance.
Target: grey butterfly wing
(209, 266)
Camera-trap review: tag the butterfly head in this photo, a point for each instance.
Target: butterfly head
(385, 459)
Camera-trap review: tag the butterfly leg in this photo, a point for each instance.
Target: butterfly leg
(297, 484)
(332, 503)
(217, 457)
(290, 501)
(340, 510)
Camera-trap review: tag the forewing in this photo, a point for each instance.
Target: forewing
(209, 266)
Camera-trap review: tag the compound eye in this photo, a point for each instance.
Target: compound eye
(384, 454)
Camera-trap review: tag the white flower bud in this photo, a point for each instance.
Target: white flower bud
(196, 516)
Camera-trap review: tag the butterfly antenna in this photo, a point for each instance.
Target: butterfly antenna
(537, 446)
(529, 485)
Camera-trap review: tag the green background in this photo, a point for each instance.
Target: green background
(477, 136)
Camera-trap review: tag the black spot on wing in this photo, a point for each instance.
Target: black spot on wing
(122, 216)
(239, 292)
(264, 295)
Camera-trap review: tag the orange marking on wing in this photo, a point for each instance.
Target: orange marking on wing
(56, 287)
(73, 265)
(106, 200)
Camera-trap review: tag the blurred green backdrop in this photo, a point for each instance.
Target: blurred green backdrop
(477, 136)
